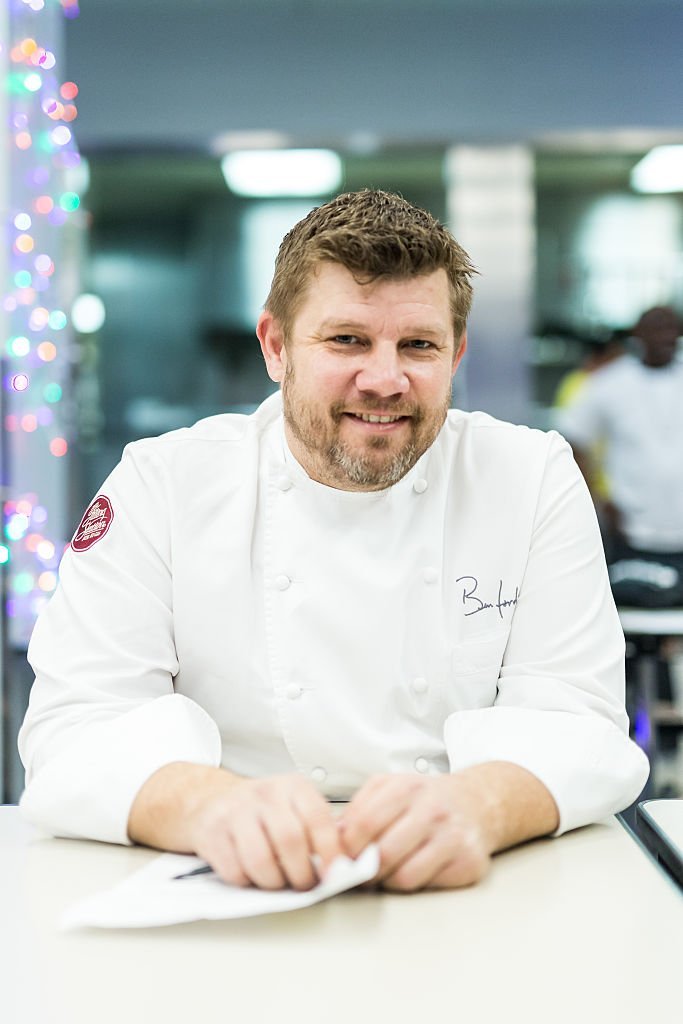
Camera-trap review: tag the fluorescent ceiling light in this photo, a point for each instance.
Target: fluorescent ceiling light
(660, 170)
(282, 172)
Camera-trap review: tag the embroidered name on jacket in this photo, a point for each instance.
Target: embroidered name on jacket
(96, 521)
(474, 602)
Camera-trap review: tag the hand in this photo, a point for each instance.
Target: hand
(432, 831)
(265, 831)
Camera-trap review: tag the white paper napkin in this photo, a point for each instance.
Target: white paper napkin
(152, 896)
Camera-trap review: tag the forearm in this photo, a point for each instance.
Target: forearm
(165, 808)
(511, 804)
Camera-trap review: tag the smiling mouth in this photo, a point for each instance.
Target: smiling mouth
(367, 417)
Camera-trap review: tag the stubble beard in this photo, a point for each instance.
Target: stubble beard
(339, 465)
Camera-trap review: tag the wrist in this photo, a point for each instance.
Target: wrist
(169, 806)
(509, 804)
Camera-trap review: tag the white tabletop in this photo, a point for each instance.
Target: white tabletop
(561, 930)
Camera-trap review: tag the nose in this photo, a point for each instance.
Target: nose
(382, 373)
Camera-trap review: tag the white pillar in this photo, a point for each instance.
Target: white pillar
(490, 194)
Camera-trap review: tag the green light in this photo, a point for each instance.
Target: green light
(52, 393)
(4, 554)
(22, 279)
(23, 583)
(69, 201)
(19, 346)
(57, 320)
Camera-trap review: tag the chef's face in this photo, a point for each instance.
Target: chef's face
(366, 374)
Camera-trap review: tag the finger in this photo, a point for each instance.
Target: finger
(441, 864)
(407, 834)
(225, 862)
(322, 831)
(419, 869)
(467, 868)
(255, 854)
(370, 813)
(289, 841)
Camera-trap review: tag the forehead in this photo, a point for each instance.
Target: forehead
(333, 291)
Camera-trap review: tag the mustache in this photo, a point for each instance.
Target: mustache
(387, 407)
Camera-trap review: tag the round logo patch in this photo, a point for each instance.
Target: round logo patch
(94, 524)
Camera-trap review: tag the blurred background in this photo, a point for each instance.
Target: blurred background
(523, 124)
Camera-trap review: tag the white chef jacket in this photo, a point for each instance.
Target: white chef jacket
(237, 613)
(637, 411)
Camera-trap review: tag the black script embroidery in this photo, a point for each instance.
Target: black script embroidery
(471, 599)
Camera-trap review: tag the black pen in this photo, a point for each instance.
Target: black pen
(205, 869)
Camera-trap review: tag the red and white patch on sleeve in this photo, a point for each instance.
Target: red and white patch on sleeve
(94, 524)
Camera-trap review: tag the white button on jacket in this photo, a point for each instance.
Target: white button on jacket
(168, 638)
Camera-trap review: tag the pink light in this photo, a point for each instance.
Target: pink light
(43, 204)
(59, 447)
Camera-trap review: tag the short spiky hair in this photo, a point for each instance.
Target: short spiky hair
(373, 234)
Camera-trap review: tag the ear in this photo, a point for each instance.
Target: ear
(271, 338)
(460, 351)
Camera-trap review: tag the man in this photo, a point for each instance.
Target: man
(634, 408)
(353, 595)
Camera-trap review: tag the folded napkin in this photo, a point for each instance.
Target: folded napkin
(155, 896)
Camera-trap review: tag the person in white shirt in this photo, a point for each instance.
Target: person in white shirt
(355, 594)
(634, 409)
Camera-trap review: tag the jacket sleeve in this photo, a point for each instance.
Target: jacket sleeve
(559, 710)
(103, 715)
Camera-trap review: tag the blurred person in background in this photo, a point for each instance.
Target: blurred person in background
(633, 408)
(596, 355)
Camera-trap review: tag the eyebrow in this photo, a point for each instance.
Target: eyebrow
(360, 328)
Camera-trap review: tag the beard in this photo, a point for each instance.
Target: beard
(374, 466)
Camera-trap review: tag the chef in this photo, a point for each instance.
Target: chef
(355, 595)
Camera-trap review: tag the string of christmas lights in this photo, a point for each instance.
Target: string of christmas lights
(37, 350)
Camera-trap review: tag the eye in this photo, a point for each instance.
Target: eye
(421, 344)
(346, 339)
